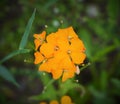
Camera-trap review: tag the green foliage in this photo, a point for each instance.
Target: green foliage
(49, 91)
(3, 71)
(113, 8)
(27, 31)
(7, 75)
(116, 83)
(86, 37)
(12, 54)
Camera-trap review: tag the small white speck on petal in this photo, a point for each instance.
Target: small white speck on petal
(77, 70)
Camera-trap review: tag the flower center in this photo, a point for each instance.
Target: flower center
(69, 51)
(45, 60)
(56, 48)
(65, 70)
(69, 38)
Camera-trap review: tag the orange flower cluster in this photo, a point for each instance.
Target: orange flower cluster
(64, 100)
(59, 53)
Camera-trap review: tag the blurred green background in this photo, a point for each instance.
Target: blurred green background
(97, 22)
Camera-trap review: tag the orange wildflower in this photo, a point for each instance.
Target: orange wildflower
(60, 53)
(64, 100)
(54, 102)
(39, 39)
(43, 103)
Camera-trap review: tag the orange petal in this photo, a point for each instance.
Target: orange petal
(71, 32)
(54, 102)
(37, 43)
(66, 100)
(43, 103)
(38, 57)
(54, 64)
(67, 64)
(39, 39)
(47, 50)
(67, 33)
(78, 57)
(68, 67)
(63, 45)
(49, 65)
(67, 74)
(51, 38)
(45, 67)
(40, 36)
(57, 73)
(62, 34)
(77, 45)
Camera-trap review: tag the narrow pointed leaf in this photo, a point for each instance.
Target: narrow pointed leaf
(4, 73)
(27, 31)
(14, 53)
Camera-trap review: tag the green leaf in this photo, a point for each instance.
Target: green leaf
(49, 3)
(68, 85)
(49, 92)
(113, 8)
(96, 93)
(116, 86)
(103, 80)
(85, 66)
(27, 31)
(116, 82)
(7, 75)
(86, 37)
(98, 28)
(14, 53)
(101, 53)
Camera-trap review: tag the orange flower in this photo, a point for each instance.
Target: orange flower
(43, 103)
(76, 47)
(58, 66)
(60, 53)
(64, 100)
(39, 39)
(54, 102)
